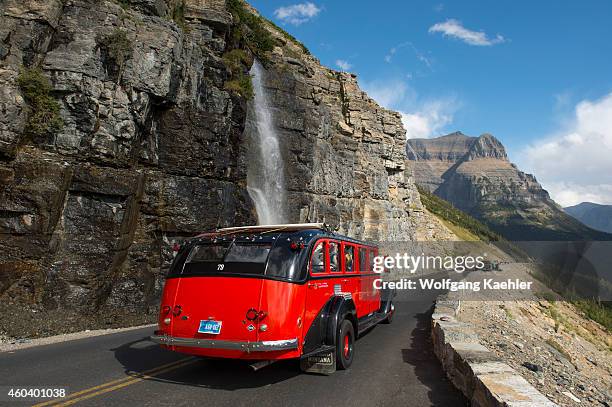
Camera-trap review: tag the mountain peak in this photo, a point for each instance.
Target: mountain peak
(455, 146)
(487, 146)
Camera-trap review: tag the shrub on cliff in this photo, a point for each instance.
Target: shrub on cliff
(250, 29)
(237, 61)
(178, 15)
(117, 49)
(44, 117)
(241, 85)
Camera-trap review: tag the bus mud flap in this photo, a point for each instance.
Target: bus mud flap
(322, 363)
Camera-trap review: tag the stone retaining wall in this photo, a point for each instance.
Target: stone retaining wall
(480, 375)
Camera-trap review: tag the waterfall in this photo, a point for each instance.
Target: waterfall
(265, 175)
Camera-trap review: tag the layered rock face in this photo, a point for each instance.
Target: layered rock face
(474, 174)
(88, 215)
(153, 150)
(344, 154)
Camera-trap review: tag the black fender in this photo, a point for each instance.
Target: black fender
(386, 298)
(324, 327)
(342, 308)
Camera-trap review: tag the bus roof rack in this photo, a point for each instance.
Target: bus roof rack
(279, 227)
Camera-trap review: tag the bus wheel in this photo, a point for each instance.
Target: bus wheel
(389, 318)
(345, 345)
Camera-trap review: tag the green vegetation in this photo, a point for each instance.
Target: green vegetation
(600, 313)
(290, 37)
(44, 117)
(241, 86)
(449, 213)
(125, 4)
(178, 15)
(118, 49)
(236, 61)
(507, 311)
(548, 296)
(250, 30)
(558, 318)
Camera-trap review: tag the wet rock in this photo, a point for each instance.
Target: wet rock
(533, 367)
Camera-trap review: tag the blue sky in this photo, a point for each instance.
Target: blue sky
(520, 70)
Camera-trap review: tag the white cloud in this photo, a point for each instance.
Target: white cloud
(421, 118)
(418, 54)
(575, 164)
(390, 94)
(454, 28)
(569, 194)
(297, 14)
(429, 120)
(344, 65)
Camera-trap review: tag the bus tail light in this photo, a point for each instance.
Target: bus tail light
(296, 245)
(253, 315)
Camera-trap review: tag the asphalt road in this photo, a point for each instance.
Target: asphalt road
(394, 366)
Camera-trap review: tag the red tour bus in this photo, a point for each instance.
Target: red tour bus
(272, 292)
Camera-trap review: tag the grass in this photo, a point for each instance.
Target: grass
(125, 4)
(462, 220)
(249, 29)
(290, 37)
(243, 86)
(460, 232)
(509, 314)
(240, 81)
(600, 313)
(557, 317)
(548, 296)
(44, 117)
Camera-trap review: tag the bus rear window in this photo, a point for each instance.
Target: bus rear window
(207, 253)
(237, 258)
(247, 253)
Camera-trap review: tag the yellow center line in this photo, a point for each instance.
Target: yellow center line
(116, 384)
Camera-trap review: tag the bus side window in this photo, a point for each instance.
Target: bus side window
(333, 256)
(318, 258)
(371, 256)
(363, 259)
(349, 258)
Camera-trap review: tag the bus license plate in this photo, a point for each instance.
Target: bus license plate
(210, 327)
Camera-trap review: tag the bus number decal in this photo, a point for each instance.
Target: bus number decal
(220, 266)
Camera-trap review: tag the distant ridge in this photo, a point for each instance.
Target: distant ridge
(594, 215)
(475, 175)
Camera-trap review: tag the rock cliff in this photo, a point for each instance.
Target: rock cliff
(124, 130)
(475, 175)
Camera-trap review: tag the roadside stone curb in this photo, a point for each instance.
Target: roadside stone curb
(480, 375)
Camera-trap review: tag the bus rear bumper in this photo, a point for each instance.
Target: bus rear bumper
(263, 346)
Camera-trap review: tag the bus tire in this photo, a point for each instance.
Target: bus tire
(345, 345)
(390, 314)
